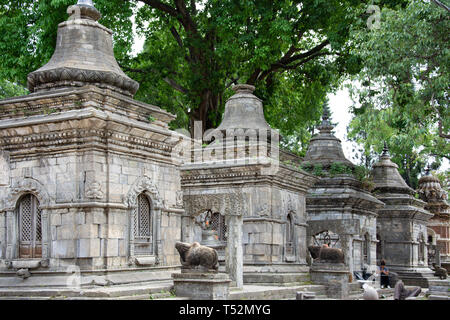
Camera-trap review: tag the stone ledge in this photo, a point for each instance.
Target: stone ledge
(145, 261)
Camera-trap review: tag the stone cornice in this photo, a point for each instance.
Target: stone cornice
(198, 175)
(405, 212)
(85, 128)
(80, 98)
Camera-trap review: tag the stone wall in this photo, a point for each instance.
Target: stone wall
(86, 173)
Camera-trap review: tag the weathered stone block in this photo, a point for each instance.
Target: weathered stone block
(64, 249)
(202, 286)
(87, 231)
(98, 217)
(164, 220)
(112, 247)
(88, 248)
(115, 231)
(80, 218)
(67, 218)
(65, 232)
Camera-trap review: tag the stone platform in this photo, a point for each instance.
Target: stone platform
(202, 285)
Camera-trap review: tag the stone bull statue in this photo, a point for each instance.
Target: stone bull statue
(195, 255)
(325, 254)
(439, 272)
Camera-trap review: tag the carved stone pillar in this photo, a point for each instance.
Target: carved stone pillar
(11, 234)
(234, 255)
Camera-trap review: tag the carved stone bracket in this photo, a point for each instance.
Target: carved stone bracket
(228, 204)
(94, 191)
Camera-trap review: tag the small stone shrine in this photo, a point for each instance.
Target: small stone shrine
(430, 191)
(341, 213)
(88, 182)
(401, 224)
(257, 203)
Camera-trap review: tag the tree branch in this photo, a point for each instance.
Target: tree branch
(161, 6)
(177, 37)
(175, 85)
(287, 59)
(442, 5)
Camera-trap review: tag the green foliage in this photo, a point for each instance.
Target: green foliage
(318, 170)
(294, 52)
(338, 168)
(9, 90)
(151, 118)
(403, 97)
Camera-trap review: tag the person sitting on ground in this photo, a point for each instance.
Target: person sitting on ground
(384, 275)
(401, 293)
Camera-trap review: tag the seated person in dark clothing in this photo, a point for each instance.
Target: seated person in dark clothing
(401, 293)
(365, 274)
(384, 275)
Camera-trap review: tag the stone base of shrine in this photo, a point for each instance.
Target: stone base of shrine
(335, 276)
(74, 278)
(202, 285)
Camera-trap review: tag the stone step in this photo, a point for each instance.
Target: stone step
(258, 292)
(276, 279)
(95, 292)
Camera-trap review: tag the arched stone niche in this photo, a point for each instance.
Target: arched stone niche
(16, 192)
(144, 185)
(232, 205)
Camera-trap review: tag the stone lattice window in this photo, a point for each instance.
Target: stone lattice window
(30, 227)
(143, 225)
(218, 224)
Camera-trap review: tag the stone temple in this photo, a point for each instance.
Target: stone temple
(96, 190)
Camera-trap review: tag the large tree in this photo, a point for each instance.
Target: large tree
(294, 52)
(403, 96)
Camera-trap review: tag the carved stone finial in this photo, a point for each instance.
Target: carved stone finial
(326, 126)
(385, 150)
(428, 170)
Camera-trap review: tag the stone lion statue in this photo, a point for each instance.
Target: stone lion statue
(325, 254)
(195, 255)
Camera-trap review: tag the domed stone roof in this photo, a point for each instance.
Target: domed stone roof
(325, 148)
(386, 176)
(83, 56)
(244, 111)
(430, 188)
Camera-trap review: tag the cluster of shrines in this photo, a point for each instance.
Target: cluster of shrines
(92, 178)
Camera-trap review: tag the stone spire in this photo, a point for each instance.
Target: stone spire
(244, 111)
(386, 176)
(83, 56)
(325, 148)
(430, 191)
